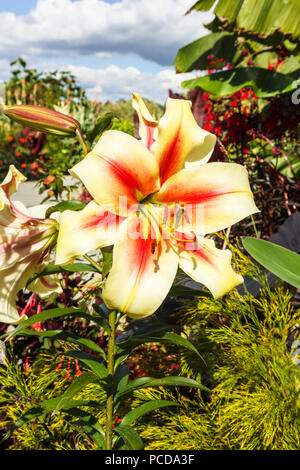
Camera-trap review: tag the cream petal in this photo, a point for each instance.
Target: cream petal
(17, 245)
(45, 286)
(208, 265)
(119, 172)
(11, 182)
(12, 280)
(180, 140)
(147, 123)
(84, 231)
(142, 273)
(213, 196)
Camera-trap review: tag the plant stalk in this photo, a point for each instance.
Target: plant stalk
(93, 263)
(110, 371)
(82, 141)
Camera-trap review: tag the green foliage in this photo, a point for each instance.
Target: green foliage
(238, 347)
(124, 125)
(117, 385)
(264, 83)
(263, 17)
(254, 381)
(123, 109)
(247, 39)
(60, 155)
(280, 261)
(23, 388)
(28, 86)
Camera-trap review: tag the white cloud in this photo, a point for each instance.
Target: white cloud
(57, 34)
(113, 83)
(152, 29)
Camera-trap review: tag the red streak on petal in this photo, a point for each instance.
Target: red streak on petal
(106, 219)
(123, 175)
(170, 161)
(206, 196)
(143, 254)
(195, 197)
(193, 246)
(150, 138)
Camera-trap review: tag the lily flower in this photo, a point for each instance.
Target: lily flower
(155, 199)
(25, 243)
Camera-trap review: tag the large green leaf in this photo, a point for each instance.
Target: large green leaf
(65, 205)
(194, 55)
(263, 16)
(60, 335)
(130, 437)
(92, 362)
(89, 424)
(145, 408)
(50, 314)
(280, 261)
(51, 404)
(102, 124)
(77, 385)
(265, 83)
(55, 269)
(170, 381)
(121, 377)
(287, 166)
(163, 337)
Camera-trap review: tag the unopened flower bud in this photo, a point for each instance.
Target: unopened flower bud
(43, 119)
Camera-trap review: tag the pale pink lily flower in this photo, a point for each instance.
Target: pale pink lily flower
(25, 244)
(155, 199)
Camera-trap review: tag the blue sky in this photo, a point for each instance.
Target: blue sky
(113, 47)
(21, 7)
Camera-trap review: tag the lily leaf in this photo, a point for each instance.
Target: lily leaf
(92, 362)
(49, 406)
(102, 124)
(194, 55)
(60, 335)
(89, 424)
(265, 83)
(130, 437)
(280, 261)
(55, 269)
(78, 384)
(170, 381)
(65, 205)
(145, 408)
(262, 17)
(121, 377)
(165, 337)
(49, 314)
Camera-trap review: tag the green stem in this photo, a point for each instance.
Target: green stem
(254, 226)
(82, 141)
(110, 370)
(93, 263)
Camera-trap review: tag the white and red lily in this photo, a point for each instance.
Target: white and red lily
(25, 243)
(155, 199)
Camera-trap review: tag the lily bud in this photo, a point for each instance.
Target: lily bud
(43, 119)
